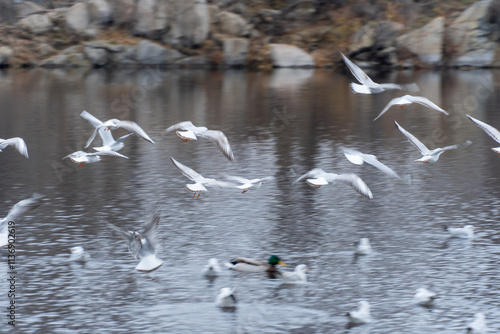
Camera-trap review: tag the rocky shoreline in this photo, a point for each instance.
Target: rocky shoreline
(222, 34)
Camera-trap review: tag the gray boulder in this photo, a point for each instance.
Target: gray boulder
(77, 18)
(5, 54)
(98, 53)
(373, 37)
(285, 55)
(66, 60)
(25, 8)
(100, 11)
(190, 23)
(151, 18)
(232, 24)
(471, 37)
(123, 12)
(36, 23)
(425, 45)
(149, 53)
(235, 51)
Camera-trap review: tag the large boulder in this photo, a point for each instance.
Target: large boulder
(36, 23)
(471, 40)
(25, 8)
(151, 18)
(5, 54)
(373, 37)
(235, 51)
(78, 18)
(190, 23)
(98, 52)
(425, 45)
(100, 11)
(232, 24)
(123, 12)
(149, 53)
(285, 55)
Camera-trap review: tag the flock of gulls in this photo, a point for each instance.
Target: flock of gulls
(143, 244)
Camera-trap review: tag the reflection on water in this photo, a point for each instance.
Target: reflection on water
(280, 124)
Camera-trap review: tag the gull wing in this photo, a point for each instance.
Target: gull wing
(219, 138)
(391, 86)
(219, 184)
(91, 119)
(358, 73)
(187, 172)
(133, 245)
(23, 207)
(186, 125)
(452, 147)
(135, 128)
(412, 139)
(150, 230)
(390, 104)
(352, 180)
(425, 102)
(76, 154)
(91, 139)
(112, 153)
(372, 160)
(106, 136)
(238, 179)
(313, 173)
(353, 156)
(18, 143)
(491, 131)
(122, 138)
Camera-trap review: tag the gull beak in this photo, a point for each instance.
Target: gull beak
(281, 263)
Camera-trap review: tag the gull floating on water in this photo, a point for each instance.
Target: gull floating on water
(491, 131)
(200, 182)
(226, 298)
(362, 315)
(114, 124)
(368, 86)
(359, 158)
(364, 247)
(78, 254)
(478, 326)
(17, 143)
(428, 155)
(246, 184)
(403, 101)
(318, 178)
(81, 158)
(424, 297)
(466, 232)
(143, 245)
(16, 212)
(192, 132)
(296, 276)
(108, 142)
(212, 269)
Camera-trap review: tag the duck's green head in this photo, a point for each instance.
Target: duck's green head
(275, 260)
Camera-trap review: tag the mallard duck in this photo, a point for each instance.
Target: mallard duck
(255, 266)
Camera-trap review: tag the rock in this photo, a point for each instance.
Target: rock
(471, 40)
(269, 22)
(46, 49)
(152, 18)
(233, 24)
(126, 57)
(285, 55)
(5, 54)
(424, 44)
(193, 62)
(66, 60)
(190, 23)
(300, 11)
(235, 51)
(105, 45)
(77, 18)
(149, 53)
(25, 8)
(96, 55)
(375, 36)
(100, 11)
(36, 23)
(213, 12)
(123, 12)
(7, 12)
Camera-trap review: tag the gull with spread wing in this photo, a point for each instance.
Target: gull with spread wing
(359, 158)
(114, 124)
(16, 212)
(368, 86)
(246, 184)
(191, 132)
(108, 142)
(428, 155)
(318, 177)
(17, 143)
(200, 182)
(491, 131)
(143, 245)
(81, 158)
(403, 101)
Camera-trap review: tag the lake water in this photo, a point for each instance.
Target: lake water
(279, 124)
